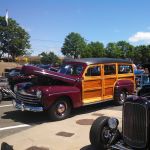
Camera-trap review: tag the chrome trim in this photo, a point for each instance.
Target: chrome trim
(24, 93)
(24, 107)
(9, 91)
(31, 99)
(64, 92)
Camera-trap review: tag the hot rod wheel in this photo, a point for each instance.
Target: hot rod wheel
(60, 109)
(101, 135)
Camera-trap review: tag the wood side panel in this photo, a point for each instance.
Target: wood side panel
(92, 83)
(109, 81)
(92, 94)
(109, 91)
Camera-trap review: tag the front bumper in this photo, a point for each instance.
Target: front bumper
(25, 107)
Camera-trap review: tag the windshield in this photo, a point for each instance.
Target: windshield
(71, 69)
(14, 73)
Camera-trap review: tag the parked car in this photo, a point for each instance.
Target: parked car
(6, 72)
(25, 73)
(143, 88)
(14, 71)
(5, 91)
(48, 67)
(77, 83)
(135, 135)
(142, 75)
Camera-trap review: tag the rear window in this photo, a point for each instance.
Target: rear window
(123, 69)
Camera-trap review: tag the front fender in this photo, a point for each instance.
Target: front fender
(56, 92)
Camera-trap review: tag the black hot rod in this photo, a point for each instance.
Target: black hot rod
(135, 134)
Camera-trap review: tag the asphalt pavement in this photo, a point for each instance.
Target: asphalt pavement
(27, 130)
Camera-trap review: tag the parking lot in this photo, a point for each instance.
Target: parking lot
(13, 121)
(17, 128)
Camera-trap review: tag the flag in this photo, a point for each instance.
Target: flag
(6, 17)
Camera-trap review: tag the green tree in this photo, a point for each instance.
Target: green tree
(126, 49)
(49, 58)
(142, 54)
(73, 45)
(94, 49)
(113, 51)
(121, 49)
(14, 40)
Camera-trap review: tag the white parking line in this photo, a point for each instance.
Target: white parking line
(13, 127)
(6, 105)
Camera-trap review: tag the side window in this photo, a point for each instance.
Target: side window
(124, 69)
(109, 69)
(93, 71)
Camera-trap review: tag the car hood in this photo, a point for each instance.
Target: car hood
(33, 70)
(58, 76)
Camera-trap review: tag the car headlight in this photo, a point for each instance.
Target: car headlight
(15, 88)
(113, 123)
(38, 94)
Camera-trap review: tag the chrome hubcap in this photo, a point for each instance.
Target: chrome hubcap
(61, 108)
(122, 97)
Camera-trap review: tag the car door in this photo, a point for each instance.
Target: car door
(109, 79)
(92, 84)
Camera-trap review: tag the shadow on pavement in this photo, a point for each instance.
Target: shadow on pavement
(93, 108)
(26, 117)
(34, 118)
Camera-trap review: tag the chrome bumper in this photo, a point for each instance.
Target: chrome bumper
(24, 107)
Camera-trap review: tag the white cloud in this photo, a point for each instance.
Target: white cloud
(140, 37)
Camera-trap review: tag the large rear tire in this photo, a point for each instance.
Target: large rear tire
(97, 133)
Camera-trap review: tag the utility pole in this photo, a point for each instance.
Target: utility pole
(6, 19)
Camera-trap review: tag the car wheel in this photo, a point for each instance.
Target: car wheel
(1, 96)
(100, 133)
(60, 109)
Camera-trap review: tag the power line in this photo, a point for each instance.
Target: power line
(46, 40)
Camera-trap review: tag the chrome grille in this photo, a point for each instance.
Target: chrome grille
(30, 99)
(134, 124)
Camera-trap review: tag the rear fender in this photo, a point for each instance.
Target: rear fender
(124, 85)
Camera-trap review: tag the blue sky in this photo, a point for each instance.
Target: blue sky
(49, 21)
